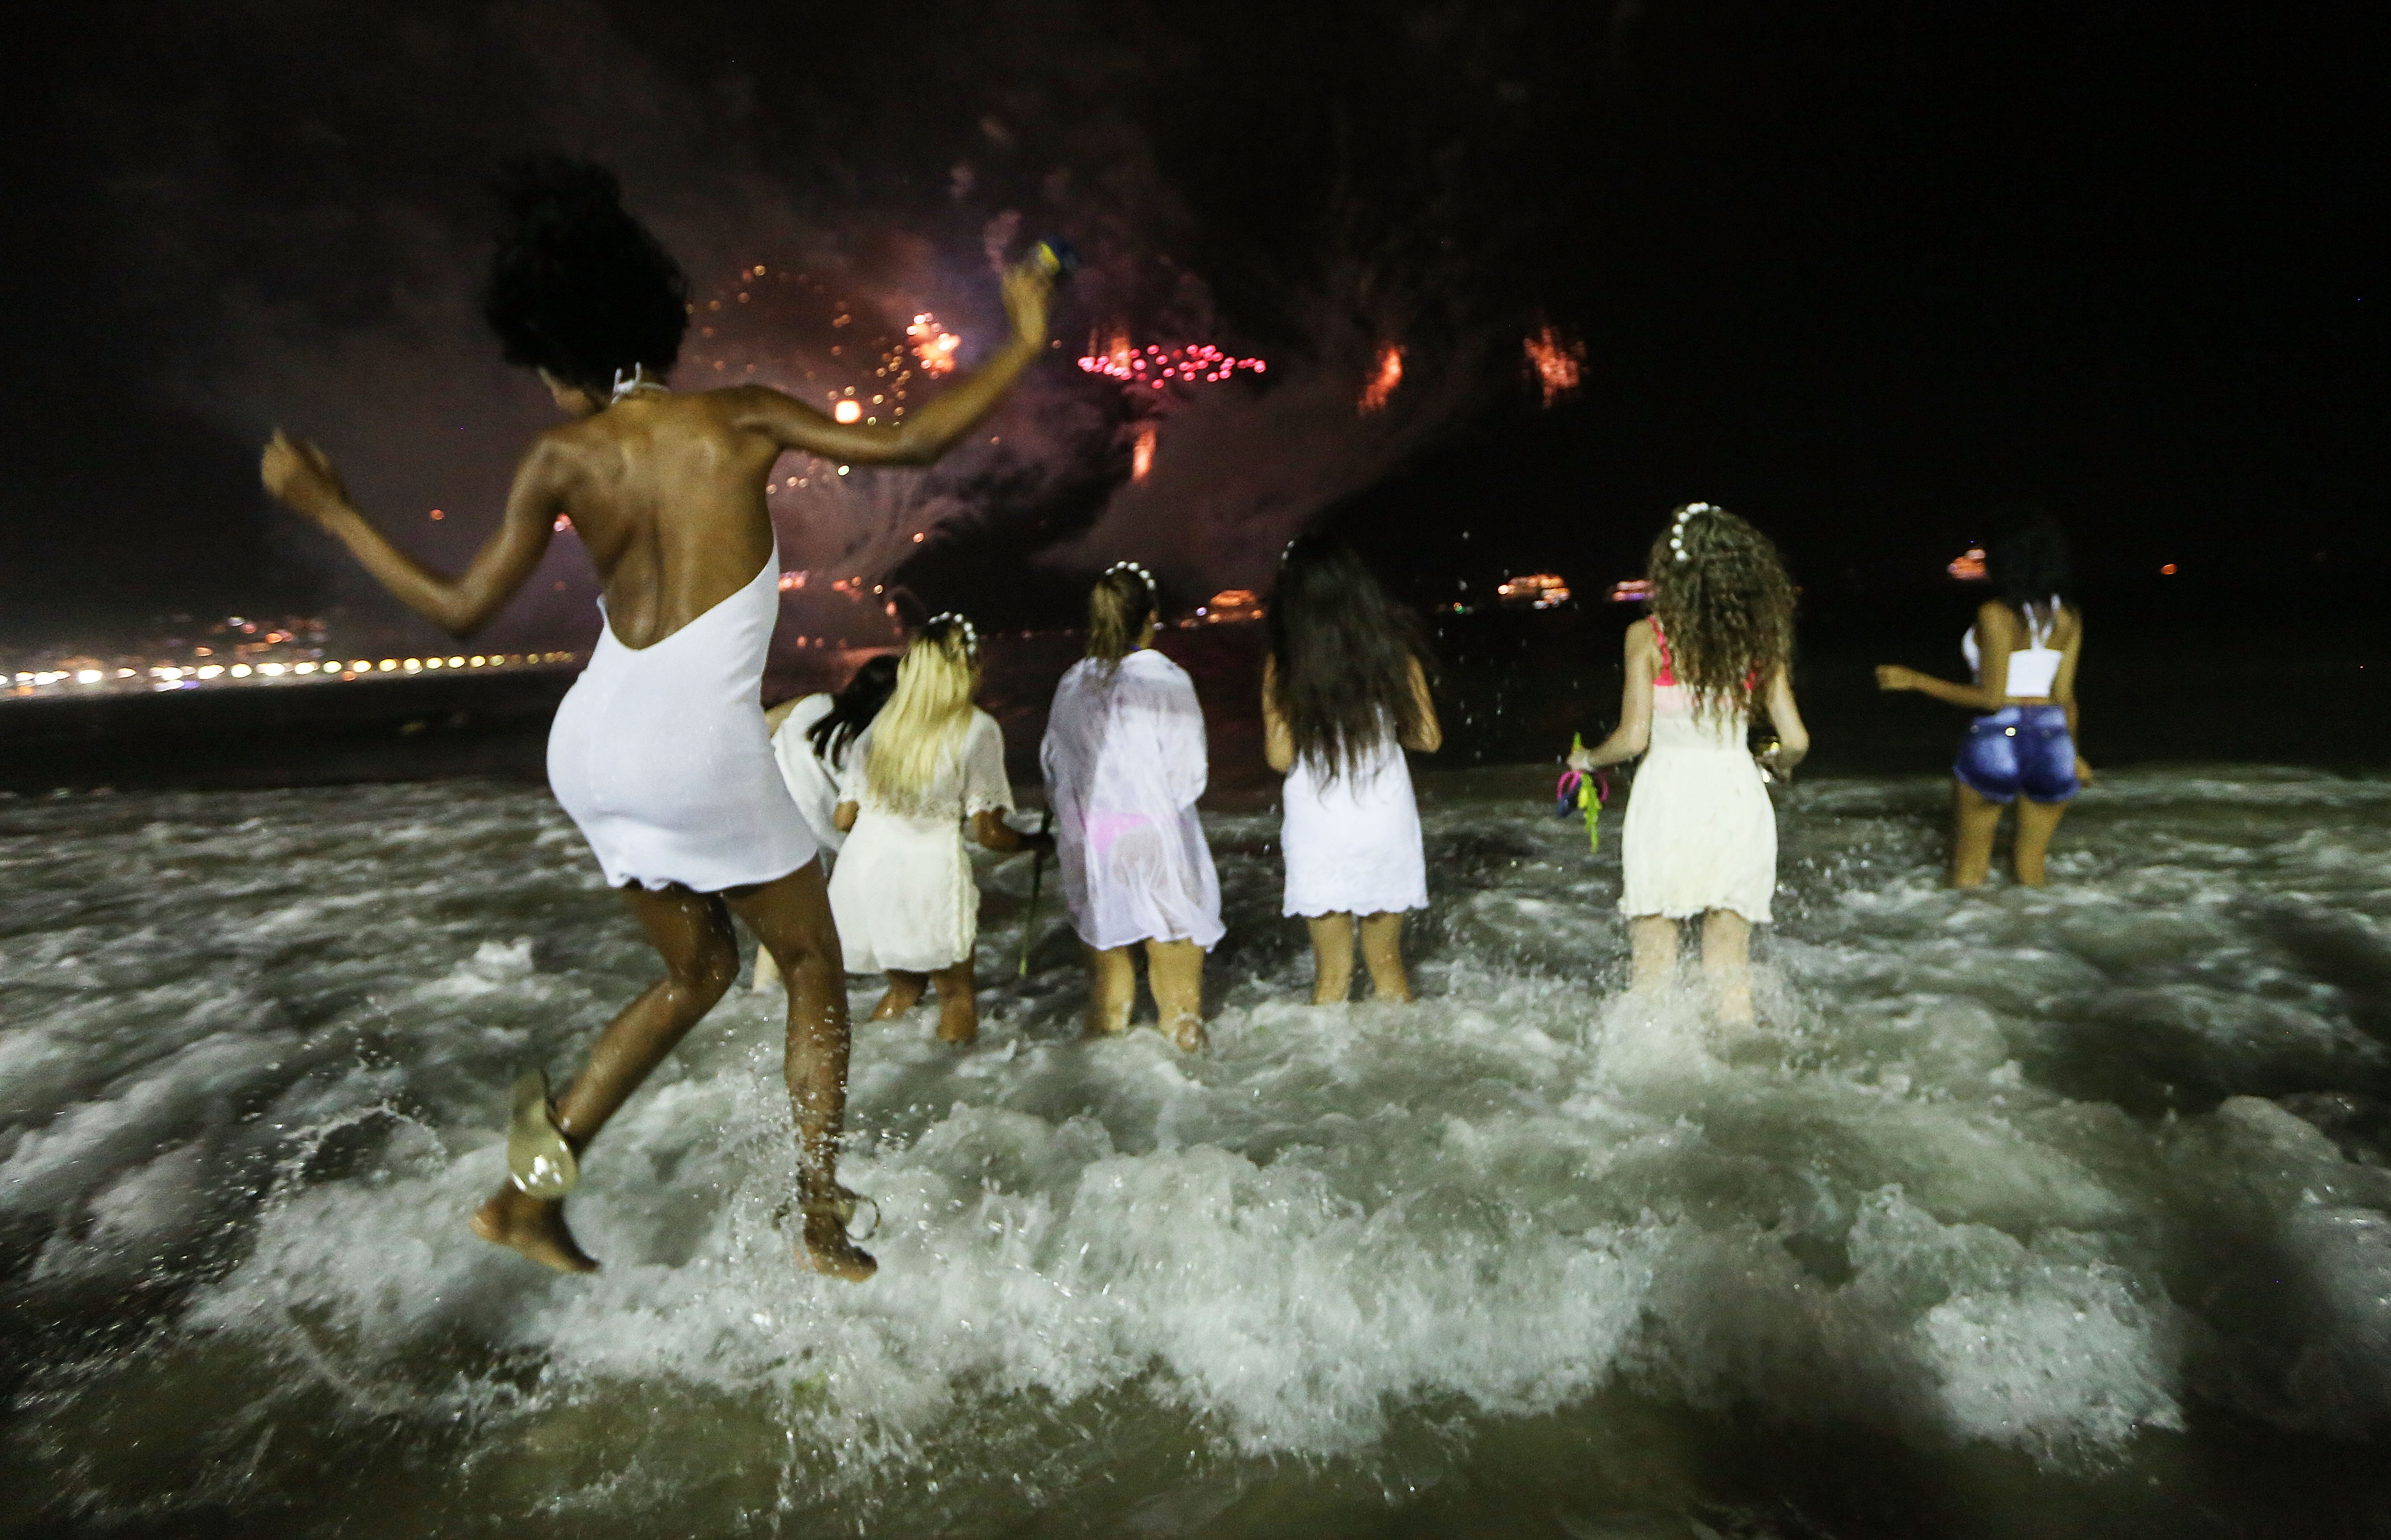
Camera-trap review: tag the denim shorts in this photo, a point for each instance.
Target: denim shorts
(2019, 748)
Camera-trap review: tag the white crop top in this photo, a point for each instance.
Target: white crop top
(2033, 668)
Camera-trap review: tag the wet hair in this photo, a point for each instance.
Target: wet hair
(1119, 607)
(851, 709)
(1724, 605)
(2027, 563)
(925, 714)
(577, 287)
(1342, 652)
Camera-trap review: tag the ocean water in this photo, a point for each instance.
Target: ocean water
(2021, 1213)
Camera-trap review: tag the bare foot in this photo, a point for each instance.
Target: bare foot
(1188, 1033)
(899, 999)
(828, 1251)
(533, 1226)
(958, 1020)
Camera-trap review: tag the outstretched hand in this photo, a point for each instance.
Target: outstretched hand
(302, 477)
(1893, 675)
(1581, 760)
(1028, 288)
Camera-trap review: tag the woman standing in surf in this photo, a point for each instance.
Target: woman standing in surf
(659, 752)
(1344, 692)
(1700, 839)
(1125, 762)
(2023, 651)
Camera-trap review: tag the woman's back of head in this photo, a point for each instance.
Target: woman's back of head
(853, 708)
(1723, 602)
(1341, 653)
(1123, 600)
(927, 712)
(2027, 563)
(577, 286)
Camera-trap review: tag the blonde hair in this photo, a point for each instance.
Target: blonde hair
(925, 714)
(1724, 605)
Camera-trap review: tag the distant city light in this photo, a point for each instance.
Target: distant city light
(1969, 566)
(1540, 590)
(1629, 591)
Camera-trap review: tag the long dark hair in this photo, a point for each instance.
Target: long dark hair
(1343, 654)
(1724, 605)
(851, 709)
(2027, 563)
(1119, 607)
(577, 287)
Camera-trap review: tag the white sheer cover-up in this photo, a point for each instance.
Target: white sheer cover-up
(660, 757)
(1699, 831)
(1352, 843)
(902, 893)
(1124, 758)
(816, 785)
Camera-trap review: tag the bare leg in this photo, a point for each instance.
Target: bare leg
(904, 993)
(1973, 824)
(1112, 991)
(1382, 953)
(1726, 963)
(2037, 823)
(1174, 970)
(1331, 958)
(1652, 940)
(692, 931)
(792, 917)
(958, 1004)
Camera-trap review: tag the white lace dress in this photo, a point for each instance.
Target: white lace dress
(904, 894)
(1700, 832)
(1353, 842)
(1124, 757)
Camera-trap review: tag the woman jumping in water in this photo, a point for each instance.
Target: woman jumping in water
(2023, 651)
(1700, 839)
(659, 752)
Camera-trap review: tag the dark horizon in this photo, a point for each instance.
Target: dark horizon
(1866, 274)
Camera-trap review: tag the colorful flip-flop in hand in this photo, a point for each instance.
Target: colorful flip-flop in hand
(1581, 792)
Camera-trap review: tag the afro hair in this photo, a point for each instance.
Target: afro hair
(577, 287)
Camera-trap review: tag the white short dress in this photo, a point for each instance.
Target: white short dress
(1353, 841)
(1700, 832)
(1124, 756)
(659, 755)
(816, 785)
(902, 894)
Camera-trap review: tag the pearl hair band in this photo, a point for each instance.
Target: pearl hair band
(1144, 576)
(970, 636)
(1677, 530)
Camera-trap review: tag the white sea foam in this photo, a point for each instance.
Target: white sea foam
(1998, 1169)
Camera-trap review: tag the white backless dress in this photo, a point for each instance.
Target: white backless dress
(659, 753)
(1700, 832)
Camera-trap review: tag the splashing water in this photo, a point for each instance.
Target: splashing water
(2042, 1176)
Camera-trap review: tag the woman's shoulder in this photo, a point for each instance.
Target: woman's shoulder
(1153, 665)
(1643, 633)
(982, 725)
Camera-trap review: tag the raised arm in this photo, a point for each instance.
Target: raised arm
(302, 477)
(1634, 735)
(934, 429)
(1997, 634)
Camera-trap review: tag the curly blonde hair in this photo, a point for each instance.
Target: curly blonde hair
(1724, 603)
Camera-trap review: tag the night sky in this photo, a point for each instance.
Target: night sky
(1863, 272)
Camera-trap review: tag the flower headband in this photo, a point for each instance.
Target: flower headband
(962, 623)
(1142, 576)
(1677, 530)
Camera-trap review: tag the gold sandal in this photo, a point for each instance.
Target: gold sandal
(840, 1206)
(539, 1161)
